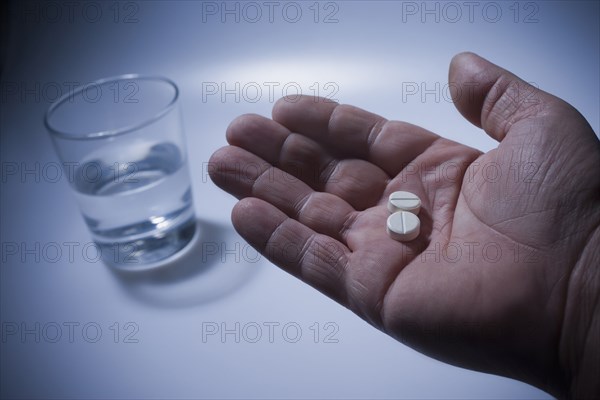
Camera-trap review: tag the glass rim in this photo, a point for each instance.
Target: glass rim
(110, 132)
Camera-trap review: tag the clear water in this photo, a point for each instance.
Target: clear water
(140, 210)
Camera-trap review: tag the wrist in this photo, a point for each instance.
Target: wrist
(580, 340)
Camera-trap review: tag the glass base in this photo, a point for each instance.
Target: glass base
(148, 252)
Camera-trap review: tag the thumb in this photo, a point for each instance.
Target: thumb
(493, 98)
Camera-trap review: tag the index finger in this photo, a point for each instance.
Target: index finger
(350, 132)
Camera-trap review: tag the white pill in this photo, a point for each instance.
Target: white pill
(403, 226)
(404, 201)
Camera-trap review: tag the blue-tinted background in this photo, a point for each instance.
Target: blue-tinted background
(223, 322)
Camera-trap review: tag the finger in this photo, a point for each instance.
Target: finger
(358, 182)
(235, 170)
(358, 280)
(243, 174)
(493, 98)
(275, 144)
(259, 135)
(350, 132)
(316, 259)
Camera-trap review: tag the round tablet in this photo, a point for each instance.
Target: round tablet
(404, 201)
(403, 226)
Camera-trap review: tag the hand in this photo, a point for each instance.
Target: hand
(504, 277)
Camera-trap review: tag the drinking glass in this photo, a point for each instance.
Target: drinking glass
(121, 144)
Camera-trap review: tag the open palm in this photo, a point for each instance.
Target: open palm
(504, 235)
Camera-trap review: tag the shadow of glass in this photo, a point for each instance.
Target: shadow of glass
(216, 263)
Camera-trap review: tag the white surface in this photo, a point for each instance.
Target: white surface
(375, 56)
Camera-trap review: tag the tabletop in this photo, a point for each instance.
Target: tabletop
(222, 321)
